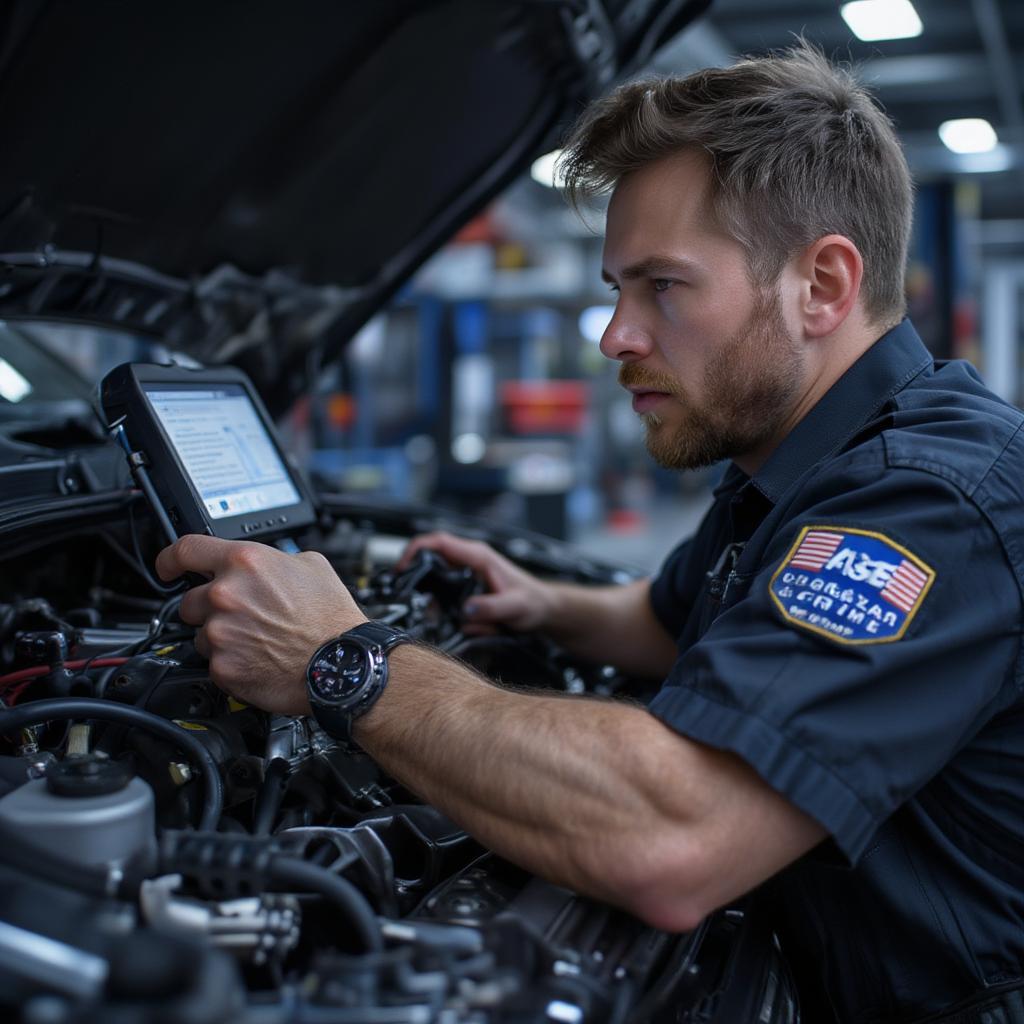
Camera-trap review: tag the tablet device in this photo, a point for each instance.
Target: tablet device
(210, 450)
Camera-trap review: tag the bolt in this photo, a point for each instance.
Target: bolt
(180, 772)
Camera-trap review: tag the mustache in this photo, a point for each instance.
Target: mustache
(631, 375)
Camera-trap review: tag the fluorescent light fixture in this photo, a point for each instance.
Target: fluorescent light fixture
(872, 20)
(542, 170)
(594, 321)
(13, 386)
(968, 135)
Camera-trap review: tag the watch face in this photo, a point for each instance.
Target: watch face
(338, 672)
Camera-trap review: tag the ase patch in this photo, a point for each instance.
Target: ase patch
(853, 586)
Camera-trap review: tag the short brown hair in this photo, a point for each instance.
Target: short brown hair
(798, 148)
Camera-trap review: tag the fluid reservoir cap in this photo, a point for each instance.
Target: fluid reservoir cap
(87, 776)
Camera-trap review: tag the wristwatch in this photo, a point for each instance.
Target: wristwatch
(347, 675)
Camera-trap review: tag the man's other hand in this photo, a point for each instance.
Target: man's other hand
(515, 599)
(261, 616)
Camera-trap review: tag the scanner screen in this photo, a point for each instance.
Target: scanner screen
(221, 441)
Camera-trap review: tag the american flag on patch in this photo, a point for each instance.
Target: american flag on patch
(905, 586)
(815, 550)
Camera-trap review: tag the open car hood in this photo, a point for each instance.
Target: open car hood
(252, 181)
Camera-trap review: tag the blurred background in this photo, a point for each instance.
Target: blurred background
(481, 387)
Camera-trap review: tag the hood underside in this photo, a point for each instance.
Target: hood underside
(250, 181)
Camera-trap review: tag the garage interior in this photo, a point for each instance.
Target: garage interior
(519, 301)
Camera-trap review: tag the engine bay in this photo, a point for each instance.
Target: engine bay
(172, 855)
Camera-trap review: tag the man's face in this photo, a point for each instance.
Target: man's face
(713, 369)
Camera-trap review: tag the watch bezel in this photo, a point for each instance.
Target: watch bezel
(373, 675)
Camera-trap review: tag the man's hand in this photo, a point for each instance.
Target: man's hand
(613, 625)
(261, 616)
(516, 599)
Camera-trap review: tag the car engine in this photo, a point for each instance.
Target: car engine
(169, 854)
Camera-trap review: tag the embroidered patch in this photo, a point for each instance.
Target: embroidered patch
(853, 586)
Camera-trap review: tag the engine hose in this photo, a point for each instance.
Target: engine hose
(270, 796)
(290, 871)
(60, 710)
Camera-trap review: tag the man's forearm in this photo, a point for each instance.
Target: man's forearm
(613, 624)
(595, 795)
(558, 785)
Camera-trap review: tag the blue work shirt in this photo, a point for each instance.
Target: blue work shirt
(862, 652)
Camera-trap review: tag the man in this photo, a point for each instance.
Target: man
(840, 643)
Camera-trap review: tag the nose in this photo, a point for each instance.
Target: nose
(625, 338)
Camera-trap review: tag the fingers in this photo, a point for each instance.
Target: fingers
(202, 645)
(472, 553)
(424, 542)
(195, 608)
(260, 616)
(515, 598)
(194, 553)
(506, 608)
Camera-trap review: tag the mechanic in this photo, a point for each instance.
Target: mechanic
(840, 727)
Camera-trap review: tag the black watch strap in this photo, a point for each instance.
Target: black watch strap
(380, 633)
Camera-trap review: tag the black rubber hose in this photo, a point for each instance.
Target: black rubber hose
(292, 872)
(270, 796)
(41, 711)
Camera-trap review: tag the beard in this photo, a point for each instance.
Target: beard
(748, 389)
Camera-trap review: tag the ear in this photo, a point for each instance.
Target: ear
(830, 272)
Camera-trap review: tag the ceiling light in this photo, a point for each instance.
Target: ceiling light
(542, 170)
(968, 135)
(13, 386)
(872, 20)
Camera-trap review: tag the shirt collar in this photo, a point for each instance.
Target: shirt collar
(889, 365)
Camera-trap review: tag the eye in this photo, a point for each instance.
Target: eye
(662, 284)
(614, 288)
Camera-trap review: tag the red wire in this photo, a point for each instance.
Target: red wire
(42, 670)
(12, 695)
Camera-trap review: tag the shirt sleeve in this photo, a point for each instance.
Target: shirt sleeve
(850, 730)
